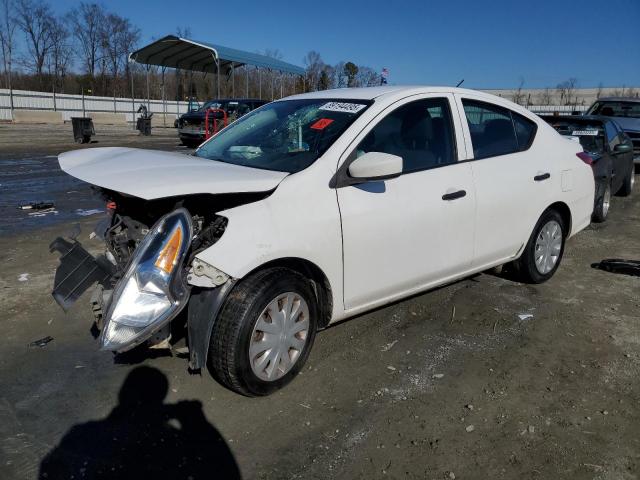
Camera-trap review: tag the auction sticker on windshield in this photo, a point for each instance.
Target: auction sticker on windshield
(590, 133)
(345, 107)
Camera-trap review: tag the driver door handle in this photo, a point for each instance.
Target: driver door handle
(541, 177)
(454, 195)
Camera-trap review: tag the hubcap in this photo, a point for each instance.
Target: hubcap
(279, 336)
(548, 246)
(606, 201)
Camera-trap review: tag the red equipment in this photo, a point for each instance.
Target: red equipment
(207, 133)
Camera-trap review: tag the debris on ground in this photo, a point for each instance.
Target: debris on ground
(23, 277)
(438, 375)
(525, 316)
(41, 342)
(617, 265)
(45, 205)
(470, 428)
(44, 212)
(86, 213)
(388, 346)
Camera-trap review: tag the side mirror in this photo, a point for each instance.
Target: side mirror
(376, 166)
(622, 148)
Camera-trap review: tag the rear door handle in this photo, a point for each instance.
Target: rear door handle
(454, 195)
(541, 177)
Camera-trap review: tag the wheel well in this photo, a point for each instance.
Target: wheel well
(319, 280)
(564, 211)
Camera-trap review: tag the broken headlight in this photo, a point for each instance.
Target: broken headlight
(152, 291)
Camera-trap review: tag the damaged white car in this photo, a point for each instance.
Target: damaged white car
(313, 209)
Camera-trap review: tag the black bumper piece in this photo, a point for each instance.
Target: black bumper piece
(78, 270)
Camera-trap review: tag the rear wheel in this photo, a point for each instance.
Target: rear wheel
(603, 202)
(264, 332)
(542, 254)
(628, 184)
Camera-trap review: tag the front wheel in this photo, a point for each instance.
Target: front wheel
(264, 333)
(542, 254)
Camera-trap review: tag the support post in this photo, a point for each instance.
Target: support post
(260, 83)
(246, 81)
(148, 90)
(133, 101)
(83, 111)
(218, 77)
(233, 80)
(164, 102)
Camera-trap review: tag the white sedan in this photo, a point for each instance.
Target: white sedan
(315, 208)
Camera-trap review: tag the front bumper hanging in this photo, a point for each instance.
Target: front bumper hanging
(78, 270)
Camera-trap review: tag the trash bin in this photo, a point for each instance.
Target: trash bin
(82, 129)
(143, 125)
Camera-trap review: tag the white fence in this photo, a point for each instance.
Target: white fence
(76, 105)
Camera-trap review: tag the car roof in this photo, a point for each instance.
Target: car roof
(618, 99)
(577, 118)
(371, 93)
(235, 100)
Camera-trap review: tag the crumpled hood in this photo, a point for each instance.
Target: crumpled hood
(152, 174)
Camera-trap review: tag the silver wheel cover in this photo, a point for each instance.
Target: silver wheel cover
(548, 247)
(606, 201)
(279, 336)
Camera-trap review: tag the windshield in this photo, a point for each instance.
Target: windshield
(286, 136)
(616, 109)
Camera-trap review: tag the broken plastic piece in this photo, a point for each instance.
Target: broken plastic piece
(41, 342)
(617, 265)
(37, 205)
(78, 270)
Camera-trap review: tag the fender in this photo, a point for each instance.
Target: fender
(204, 306)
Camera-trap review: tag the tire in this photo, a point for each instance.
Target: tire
(525, 267)
(629, 182)
(237, 330)
(603, 202)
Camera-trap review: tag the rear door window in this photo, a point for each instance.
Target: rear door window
(496, 130)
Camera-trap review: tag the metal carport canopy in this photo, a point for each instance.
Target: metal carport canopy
(176, 52)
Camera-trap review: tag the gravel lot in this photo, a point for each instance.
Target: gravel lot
(485, 378)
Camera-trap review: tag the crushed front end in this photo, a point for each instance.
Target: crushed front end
(145, 275)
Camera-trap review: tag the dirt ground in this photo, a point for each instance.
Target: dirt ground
(485, 378)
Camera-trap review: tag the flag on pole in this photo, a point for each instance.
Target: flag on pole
(383, 76)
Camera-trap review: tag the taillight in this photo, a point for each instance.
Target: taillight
(585, 157)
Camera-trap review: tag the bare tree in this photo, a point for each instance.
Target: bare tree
(315, 65)
(59, 57)
(7, 38)
(86, 22)
(599, 91)
(34, 17)
(367, 77)
(567, 91)
(517, 96)
(545, 97)
(118, 38)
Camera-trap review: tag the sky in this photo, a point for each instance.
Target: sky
(489, 44)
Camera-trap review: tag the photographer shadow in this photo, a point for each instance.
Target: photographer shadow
(143, 437)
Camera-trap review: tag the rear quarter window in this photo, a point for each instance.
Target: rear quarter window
(525, 130)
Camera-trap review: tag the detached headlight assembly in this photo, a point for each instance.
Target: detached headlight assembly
(152, 291)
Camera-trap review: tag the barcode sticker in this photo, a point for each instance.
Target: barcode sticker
(582, 133)
(345, 107)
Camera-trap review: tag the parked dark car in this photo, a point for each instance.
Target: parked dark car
(626, 112)
(609, 151)
(191, 126)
